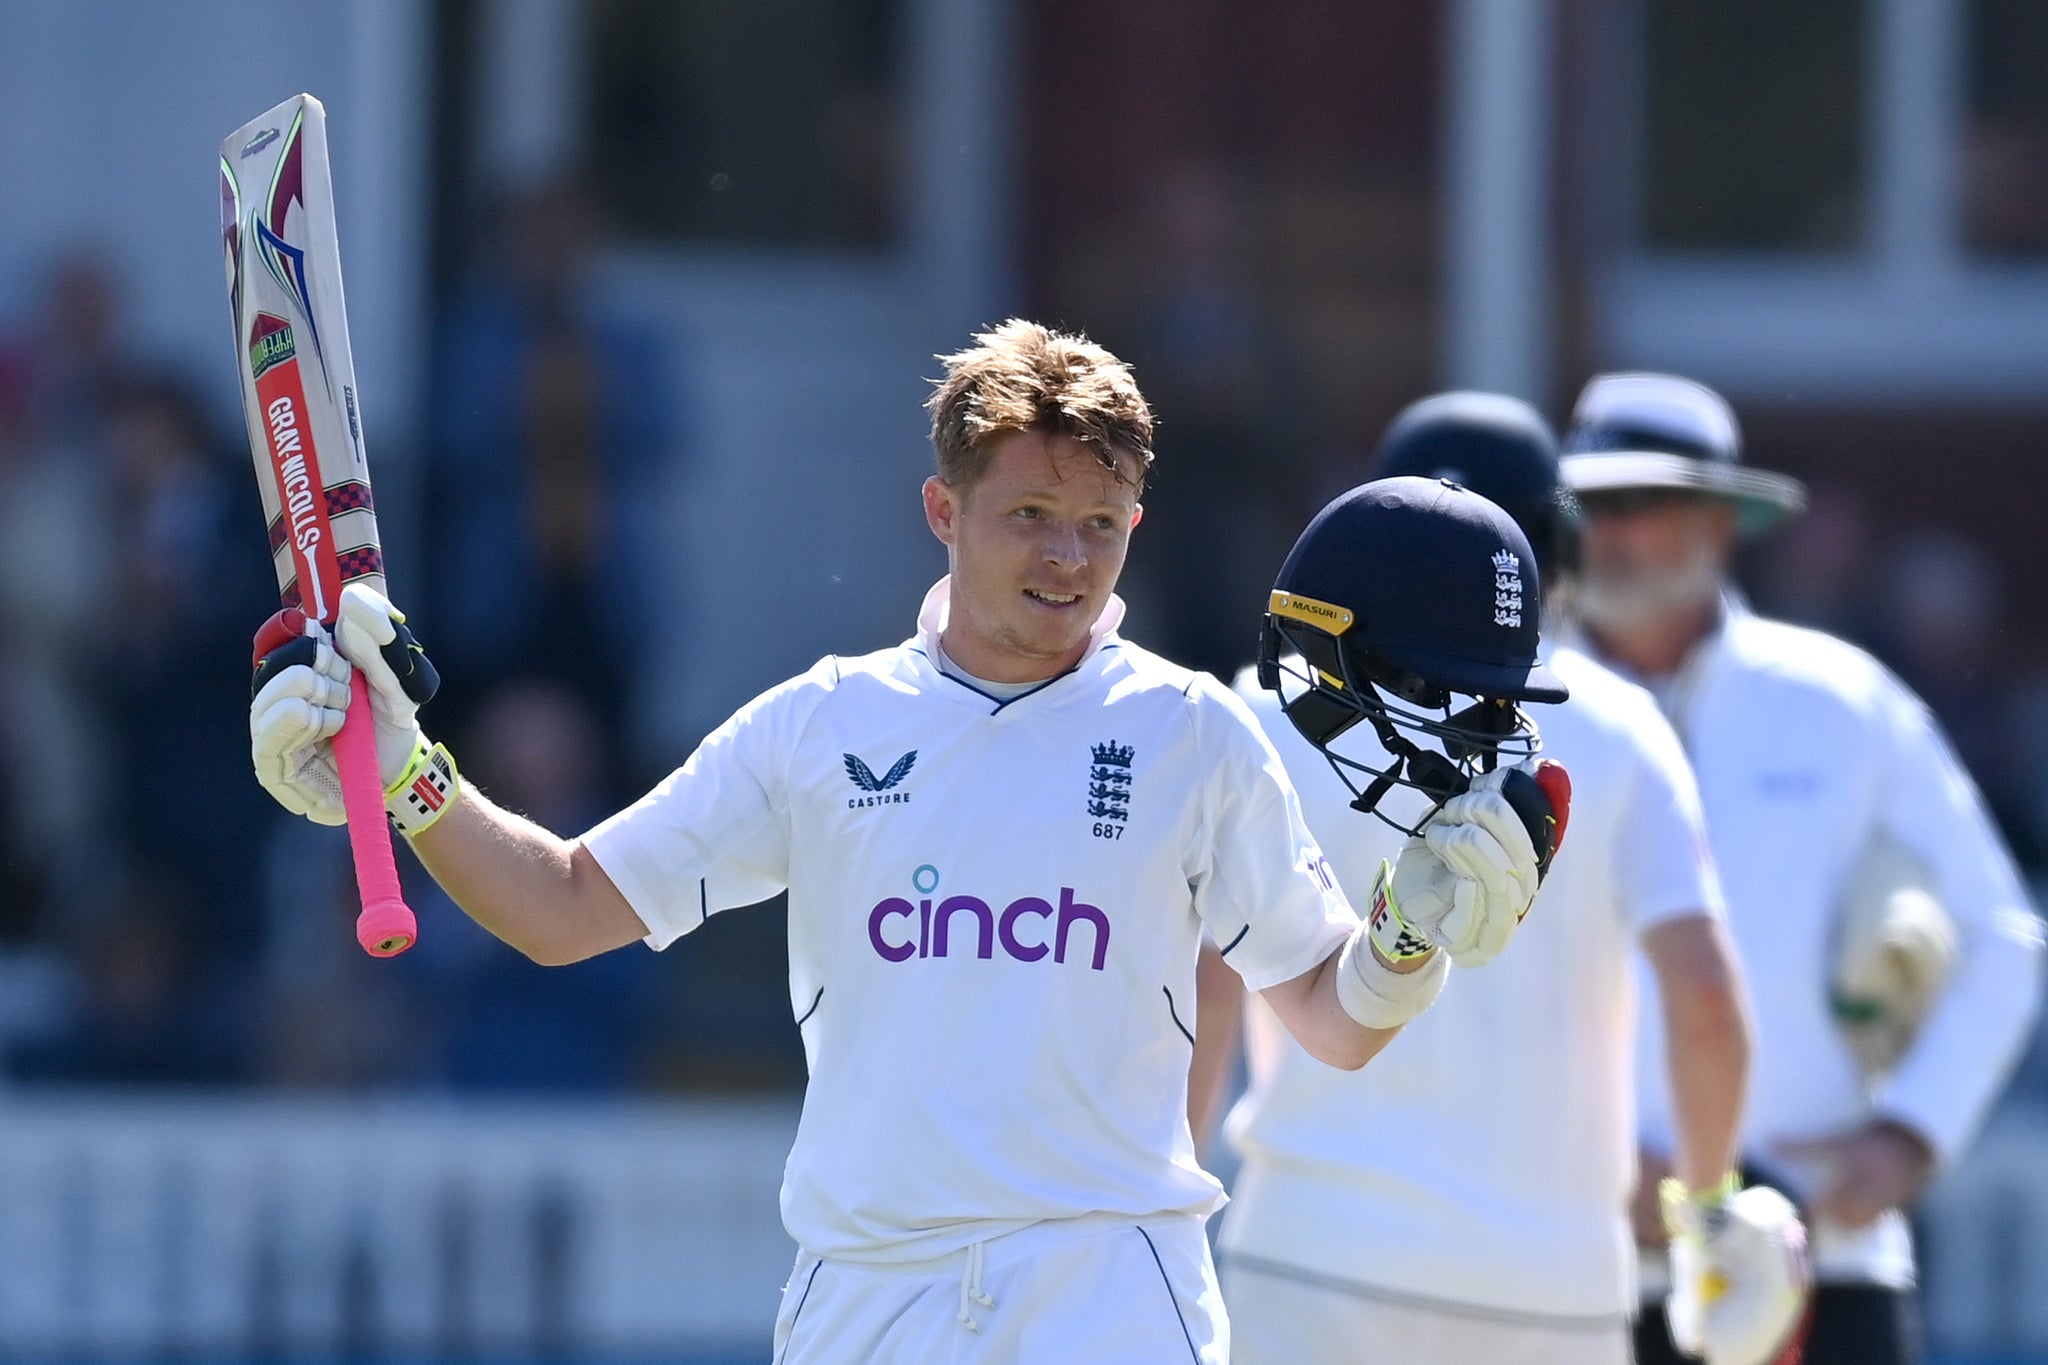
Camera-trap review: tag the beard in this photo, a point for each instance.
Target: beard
(1630, 599)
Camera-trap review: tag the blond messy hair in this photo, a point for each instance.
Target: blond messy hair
(1022, 376)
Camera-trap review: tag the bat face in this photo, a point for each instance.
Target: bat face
(298, 378)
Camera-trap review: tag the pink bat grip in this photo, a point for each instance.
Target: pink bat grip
(386, 927)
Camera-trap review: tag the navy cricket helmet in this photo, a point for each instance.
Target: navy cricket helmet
(1402, 596)
(1499, 447)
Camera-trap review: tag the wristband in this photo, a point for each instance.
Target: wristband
(1695, 1212)
(424, 791)
(1374, 994)
(1720, 1192)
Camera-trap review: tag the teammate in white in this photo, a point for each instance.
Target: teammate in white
(1809, 754)
(1001, 841)
(1463, 1199)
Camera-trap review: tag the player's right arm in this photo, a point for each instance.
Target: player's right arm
(1668, 891)
(1706, 1036)
(540, 893)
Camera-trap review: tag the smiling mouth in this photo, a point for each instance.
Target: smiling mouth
(1053, 599)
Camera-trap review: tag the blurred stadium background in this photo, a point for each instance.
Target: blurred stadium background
(643, 295)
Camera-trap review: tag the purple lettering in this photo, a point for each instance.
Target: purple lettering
(893, 952)
(985, 947)
(934, 930)
(1071, 910)
(1029, 905)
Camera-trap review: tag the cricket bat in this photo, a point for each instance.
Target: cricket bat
(305, 432)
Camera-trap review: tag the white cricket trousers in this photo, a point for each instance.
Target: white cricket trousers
(1277, 1319)
(1072, 1292)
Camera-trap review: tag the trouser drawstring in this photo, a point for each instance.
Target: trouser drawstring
(971, 1292)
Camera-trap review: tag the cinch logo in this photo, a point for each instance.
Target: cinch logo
(901, 930)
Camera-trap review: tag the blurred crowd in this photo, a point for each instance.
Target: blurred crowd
(161, 922)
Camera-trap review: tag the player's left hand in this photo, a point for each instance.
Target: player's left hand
(1882, 1165)
(1464, 885)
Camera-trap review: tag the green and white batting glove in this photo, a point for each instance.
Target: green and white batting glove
(1463, 886)
(1895, 950)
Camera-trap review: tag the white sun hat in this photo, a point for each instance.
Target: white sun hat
(1636, 430)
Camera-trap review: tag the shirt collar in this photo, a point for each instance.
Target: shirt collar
(1567, 629)
(1676, 693)
(937, 608)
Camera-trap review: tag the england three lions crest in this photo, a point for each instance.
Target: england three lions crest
(1507, 589)
(1109, 788)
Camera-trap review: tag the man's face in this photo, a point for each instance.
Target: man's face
(1648, 556)
(1035, 547)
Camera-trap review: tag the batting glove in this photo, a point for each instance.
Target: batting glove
(1895, 948)
(301, 698)
(1739, 1272)
(1464, 885)
(302, 690)
(371, 634)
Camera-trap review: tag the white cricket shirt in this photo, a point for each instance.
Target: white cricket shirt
(994, 916)
(1485, 1158)
(1805, 747)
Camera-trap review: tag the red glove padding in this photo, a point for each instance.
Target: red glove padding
(1544, 801)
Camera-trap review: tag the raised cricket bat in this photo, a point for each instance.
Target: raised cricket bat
(299, 394)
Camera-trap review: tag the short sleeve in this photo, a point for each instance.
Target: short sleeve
(715, 833)
(1664, 865)
(1262, 887)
